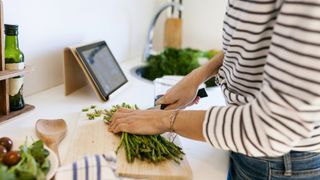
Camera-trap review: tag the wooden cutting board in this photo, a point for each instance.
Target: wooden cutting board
(90, 138)
(93, 138)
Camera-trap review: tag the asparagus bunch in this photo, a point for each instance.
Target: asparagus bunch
(108, 113)
(152, 148)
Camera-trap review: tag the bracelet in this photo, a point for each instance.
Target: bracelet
(172, 118)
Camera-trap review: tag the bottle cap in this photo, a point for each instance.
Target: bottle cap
(11, 30)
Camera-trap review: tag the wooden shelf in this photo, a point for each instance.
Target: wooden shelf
(6, 74)
(5, 113)
(27, 108)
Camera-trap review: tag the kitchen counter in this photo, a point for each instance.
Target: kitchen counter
(205, 161)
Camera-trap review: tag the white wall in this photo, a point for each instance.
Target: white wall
(202, 24)
(47, 26)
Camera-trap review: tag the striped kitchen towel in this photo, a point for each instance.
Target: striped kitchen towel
(93, 167)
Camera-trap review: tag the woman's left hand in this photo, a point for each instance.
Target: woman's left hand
(145, 122)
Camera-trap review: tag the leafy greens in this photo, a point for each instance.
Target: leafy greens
(175, 62)
(34, 164)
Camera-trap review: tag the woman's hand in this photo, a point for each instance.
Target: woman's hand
(149, 122)
(183, 94)
(144, 122)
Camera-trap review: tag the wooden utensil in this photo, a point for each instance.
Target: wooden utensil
(51, 132)
(173, 30)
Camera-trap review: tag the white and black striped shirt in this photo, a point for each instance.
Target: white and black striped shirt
(270, 78)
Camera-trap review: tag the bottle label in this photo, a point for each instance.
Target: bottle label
(14, 66)
(15, 85)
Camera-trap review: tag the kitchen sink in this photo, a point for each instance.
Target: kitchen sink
(138, 72)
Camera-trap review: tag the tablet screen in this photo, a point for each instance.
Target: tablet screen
(102, 66)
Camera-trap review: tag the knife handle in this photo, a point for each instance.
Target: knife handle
(162, 106)
(202, 93)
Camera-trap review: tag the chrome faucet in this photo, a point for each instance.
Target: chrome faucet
(148, 46)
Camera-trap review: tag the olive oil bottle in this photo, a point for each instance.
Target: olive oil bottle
(14, 60)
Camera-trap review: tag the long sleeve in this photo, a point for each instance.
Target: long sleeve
(284, 113)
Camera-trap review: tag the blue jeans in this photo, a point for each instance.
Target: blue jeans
(294, 165)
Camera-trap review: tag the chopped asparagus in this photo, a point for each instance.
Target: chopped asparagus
(85, 110)
(152, 148)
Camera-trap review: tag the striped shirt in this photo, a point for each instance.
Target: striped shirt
(270, 78)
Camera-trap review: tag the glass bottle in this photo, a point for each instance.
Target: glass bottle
(14, 60)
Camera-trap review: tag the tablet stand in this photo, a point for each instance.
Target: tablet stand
(75, 73)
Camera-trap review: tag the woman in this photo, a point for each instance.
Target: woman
(269, 72)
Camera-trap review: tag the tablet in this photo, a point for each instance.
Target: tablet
(102, 67)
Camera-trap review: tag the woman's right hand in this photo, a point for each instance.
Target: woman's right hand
(183, 94)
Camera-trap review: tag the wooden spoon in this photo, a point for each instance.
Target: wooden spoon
(51, 132)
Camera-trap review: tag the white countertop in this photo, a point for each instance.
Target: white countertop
(205, 161)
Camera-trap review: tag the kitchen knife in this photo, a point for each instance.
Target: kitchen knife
(201, 93)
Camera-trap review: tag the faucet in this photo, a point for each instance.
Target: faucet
(148, 46)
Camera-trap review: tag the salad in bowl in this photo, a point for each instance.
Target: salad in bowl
(20, 160)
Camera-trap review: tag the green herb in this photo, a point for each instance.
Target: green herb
(93, 106)
(175, 62)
